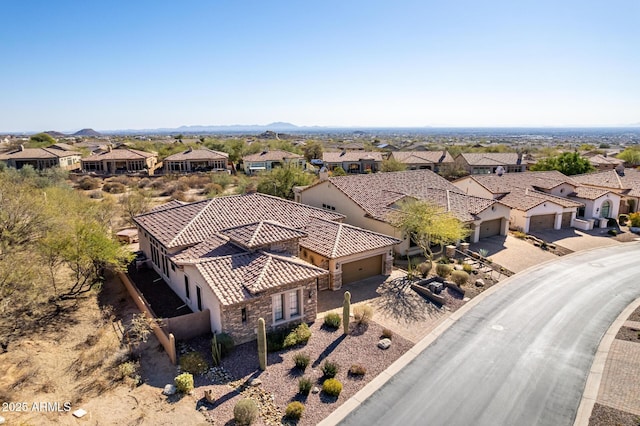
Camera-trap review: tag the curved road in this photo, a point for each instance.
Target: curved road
(519, 357)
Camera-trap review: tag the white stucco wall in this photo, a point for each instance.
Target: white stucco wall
(471, 187)
(562, 190)
(209, 299)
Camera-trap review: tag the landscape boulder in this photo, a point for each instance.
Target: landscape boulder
(479, 282)
(169, 390)
(384, 343)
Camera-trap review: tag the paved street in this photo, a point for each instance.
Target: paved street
(521, 356)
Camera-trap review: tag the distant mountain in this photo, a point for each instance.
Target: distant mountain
(233, 128)
(87, 132)
(55, 134)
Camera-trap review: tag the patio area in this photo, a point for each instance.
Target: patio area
(163, 301)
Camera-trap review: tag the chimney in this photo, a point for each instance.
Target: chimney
(109, 148)
(21, 147)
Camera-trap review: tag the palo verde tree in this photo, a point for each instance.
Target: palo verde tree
(392, 165)
(429, 225)
(568, 163)
(281, 180)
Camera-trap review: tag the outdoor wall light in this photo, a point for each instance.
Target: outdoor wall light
(310, 294)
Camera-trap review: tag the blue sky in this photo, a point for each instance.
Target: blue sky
(146, 64)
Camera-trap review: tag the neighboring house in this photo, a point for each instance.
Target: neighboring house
(387, 147)
(120, 160)
(352, 146)
(624, 182)
(544, 200)
(487, 163)
(420, 160)
(196, 160)
(43, 158)
(267, 160)
(240, 257)
(368, 201)
(604, 162)
(353, 161)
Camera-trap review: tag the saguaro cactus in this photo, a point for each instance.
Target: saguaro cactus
(262, 344)
(216, 351)
(346, 311)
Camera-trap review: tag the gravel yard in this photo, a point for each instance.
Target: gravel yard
(280, 380)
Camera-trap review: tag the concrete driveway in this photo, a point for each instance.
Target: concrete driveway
(576, 240)
(512, 253)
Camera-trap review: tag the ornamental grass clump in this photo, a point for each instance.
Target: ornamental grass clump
(294, 410)
(459, 277)
(245, 412)
(332, 387)
(301, 360)
(330, 369)
(332, 320)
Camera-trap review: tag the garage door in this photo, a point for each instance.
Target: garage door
(361, 269)
(566, 220)
(490, 228)
(542, 222)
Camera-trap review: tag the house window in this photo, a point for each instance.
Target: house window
(294, 307)
(199, 297)
(287, 305)
(243, 314)
(278, 307)
(186, 287)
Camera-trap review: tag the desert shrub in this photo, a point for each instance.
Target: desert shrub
(612, 223)
(357, 370)
(443, 270)
(623, 219)
(483, 252)
(179, 196)
(424, 268)
(144, 182)
(123, 179)
(301, 359)
(362, 314)
(88, 183)
(114, 188)
(298, 336)
(294, 410)
(213, 189)
(519, 234)
(330, 369)
(304, 385)
(467, 268)
(222, 179)
(332, 387)
(158, 184)
(275, 340)
(459, 277)
(193, 362)
(612, 232)
(386, 333)
(634, 219)
(245, 412)
(443, 261)
(184, 382)
(96, 195)
(332, 320)
(195, 181)
(226, 343)
(126, 369)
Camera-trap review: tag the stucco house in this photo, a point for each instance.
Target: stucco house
(267, 160)
(57, 155)
(419, 160)
(120, 160)
(487, 163)
(623, 182)
(196, 160)
(603, 162)
(544, 200)
(353, 161)
(368, 201)
(243, 257)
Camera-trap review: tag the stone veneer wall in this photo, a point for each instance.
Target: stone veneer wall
(262, 307)
(290, 247)
(388, 265)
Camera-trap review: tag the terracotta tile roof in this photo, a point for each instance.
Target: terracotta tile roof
(491, 159)
(261, 233)
(340, 156)
(166, 206)
(37, 153)
(378, 193)
(241, 277)
(334, 240)
(600, 159)
(507, 182)
(198, 154)
(626, 184)
(214, 246)
(525, 199)
(589, 193)
(416, 157)
(276, 155)
(193, 222)
(120, 154)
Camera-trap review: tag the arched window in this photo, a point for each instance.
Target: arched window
(605, 209)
